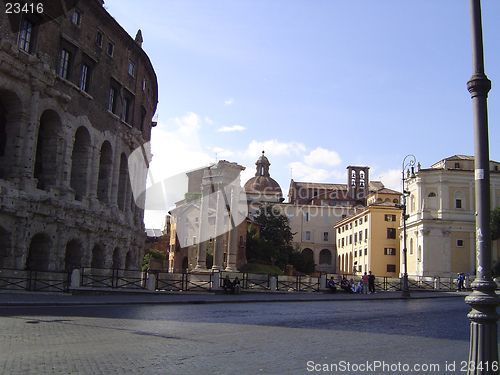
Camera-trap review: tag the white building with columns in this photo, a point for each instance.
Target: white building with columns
(211, 220)
(441, 223)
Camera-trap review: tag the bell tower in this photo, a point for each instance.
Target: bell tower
(358, 181)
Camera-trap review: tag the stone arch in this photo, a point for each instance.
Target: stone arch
(325, 257)
(123, 183)
(73, 256)
(98, 257)
(80, 162)
(10, 118)
(307, 251)
(105, 172)
(39, 253)
(116, 259)
(5, 248)
(46, 163)
(129, 260)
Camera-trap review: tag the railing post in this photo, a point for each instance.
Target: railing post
(75, 278)
(151, 286)
(215, 280)
(273, 283)
(437, 282)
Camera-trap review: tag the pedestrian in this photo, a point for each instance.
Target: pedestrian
(365, 280)
(344, 284)
(460, 281)
(331, 285)
(228, 285)
(236, 285)
(371, 282)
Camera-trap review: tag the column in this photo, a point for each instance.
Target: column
(233, 231)
(201, 260)
(219, 230)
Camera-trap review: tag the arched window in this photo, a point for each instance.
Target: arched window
(39, 253)
(46, 161)
(73, 258)
(105, 172)
(325, 257)
(80, 160)
(5, 247)
(123, 183)
(98, 257)
(116, 259)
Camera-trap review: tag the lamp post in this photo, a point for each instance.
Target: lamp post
(409, 167)
(483, 350)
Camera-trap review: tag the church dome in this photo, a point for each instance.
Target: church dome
(262, 183)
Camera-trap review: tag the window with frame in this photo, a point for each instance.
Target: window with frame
(113, 98)
(356, 254)
(307, 235)
(460, 243)
(390, 217)
(360, 236)
(307, 216)
(326, 236)
(127, 108)
(26, 35)
(366, 234)
(389, 251)
(85, 78)
(355, 238)
(391, 268)
(350, 239)
(366, 251)
(131, 68)
(326, 218)
(110, 49)
(99, 38)
(391, 233)
(64, 63)
(458, 203)
(76, 18)
(366, 218)
(343, 242)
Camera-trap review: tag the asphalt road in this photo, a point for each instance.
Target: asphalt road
(424, 336)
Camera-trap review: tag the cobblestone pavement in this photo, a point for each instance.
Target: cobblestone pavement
(250, 338)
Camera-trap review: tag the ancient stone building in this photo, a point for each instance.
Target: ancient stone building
(77, 95)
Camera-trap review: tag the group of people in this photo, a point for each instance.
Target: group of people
(366, 285)
(233, 287)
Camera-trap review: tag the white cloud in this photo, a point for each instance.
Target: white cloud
(232, 128)
(222, 153)
(229, 101)
(322, 156)
(391, 179)
(176, 149)
(302, 172)
(273, 147)
(208, 120)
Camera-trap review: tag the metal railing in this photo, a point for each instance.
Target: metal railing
(112, 278)
(15, 279)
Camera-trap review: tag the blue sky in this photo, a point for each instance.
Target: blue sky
(318, 84)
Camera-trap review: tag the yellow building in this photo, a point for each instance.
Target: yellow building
(441, 225)
(368, 240)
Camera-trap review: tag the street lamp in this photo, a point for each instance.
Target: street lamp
(483, 350)
(409, 167)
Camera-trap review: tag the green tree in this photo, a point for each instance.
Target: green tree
(152, 254)
(274, 244)
(495, 224)
(303, 261)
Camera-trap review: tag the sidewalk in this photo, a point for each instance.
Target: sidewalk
(113, 297)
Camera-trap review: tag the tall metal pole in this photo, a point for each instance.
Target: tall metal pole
(483, 353)
(406, 166)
